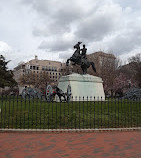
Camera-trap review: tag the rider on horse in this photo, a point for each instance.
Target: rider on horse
(80, 58)
(83, 54)
(77, 55)
(77, 46)
(84, 50)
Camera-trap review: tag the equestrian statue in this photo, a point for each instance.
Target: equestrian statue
(79, 58)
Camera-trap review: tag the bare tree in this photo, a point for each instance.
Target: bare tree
(135, 67)
(36, 80)
(27, 79)
(107, 71)
(43, 80)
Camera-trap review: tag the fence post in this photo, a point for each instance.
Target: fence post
(28, 108)
(79, 111)
(136, 112)
(115, 111)
(64, 116)
(60, 115)
(52, 114)
(87, 113)
(5, 112)
(75, 110)
(56, 113)
(108, 113)
(21, 112)
(98, 112)
(101, 111)
(32, 111)
(72, 114)
(83, 112)
(94, 112)
(68, 126)
(1, 111)
(118, 112)
(90, 112)
(48, 104)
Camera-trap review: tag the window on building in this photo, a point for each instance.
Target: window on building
(23, 67)
(43, 67)
(46, 68)
(49, 68)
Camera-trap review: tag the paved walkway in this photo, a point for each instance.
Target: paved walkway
(71, 145)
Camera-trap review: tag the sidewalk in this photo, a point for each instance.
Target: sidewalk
(71, 145)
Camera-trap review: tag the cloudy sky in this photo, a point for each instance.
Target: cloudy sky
(50, 28)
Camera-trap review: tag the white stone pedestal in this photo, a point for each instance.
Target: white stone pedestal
(85, 87)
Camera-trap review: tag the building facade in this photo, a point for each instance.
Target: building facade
(53, 69)
(102, 59)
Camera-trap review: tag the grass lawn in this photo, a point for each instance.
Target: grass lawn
(37, 114)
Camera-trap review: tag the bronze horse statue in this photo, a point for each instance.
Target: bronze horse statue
(81, 59)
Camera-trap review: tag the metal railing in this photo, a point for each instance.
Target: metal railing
(19, 113)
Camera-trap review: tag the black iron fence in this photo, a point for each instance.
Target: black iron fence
(19, 113)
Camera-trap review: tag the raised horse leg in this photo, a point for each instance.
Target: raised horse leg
(72, 59)
(67, 63)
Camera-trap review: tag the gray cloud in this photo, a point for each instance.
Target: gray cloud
(86, 25)
(65, 55)
(102, 22)
(56, 45)
(93, 24)
(106, 24)
(57, 18)
(50, 28)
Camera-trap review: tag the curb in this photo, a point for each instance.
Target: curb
(69, 130)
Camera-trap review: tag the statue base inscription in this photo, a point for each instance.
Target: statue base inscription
(83, 87)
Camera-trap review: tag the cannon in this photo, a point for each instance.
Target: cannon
(51, 92)
(133, 93)
(30, 93)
